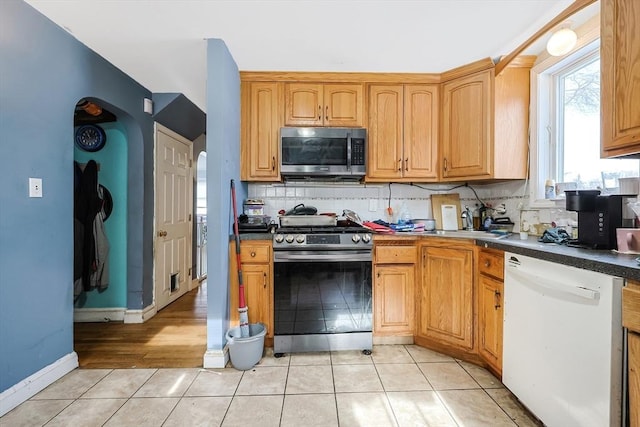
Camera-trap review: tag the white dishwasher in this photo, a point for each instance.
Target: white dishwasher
(563, 345)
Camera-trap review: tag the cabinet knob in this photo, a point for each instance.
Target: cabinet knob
(406, 164)
(496, 295)
(273, 163)
(264, 280)
(253, 254)
(445, 164)
(319, 112)
(487, 263)
(326, 114)
(399, 165)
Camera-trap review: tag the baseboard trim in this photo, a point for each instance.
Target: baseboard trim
(140, 316)
(216, 358)
(393, 340)
(30, 386)
(93, 315)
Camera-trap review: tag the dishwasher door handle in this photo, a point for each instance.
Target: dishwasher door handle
(534, 279)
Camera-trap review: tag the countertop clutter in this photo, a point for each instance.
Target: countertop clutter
(603, 261)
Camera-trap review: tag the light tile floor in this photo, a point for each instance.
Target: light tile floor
(398, 385)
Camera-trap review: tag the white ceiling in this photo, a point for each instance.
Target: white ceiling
(162, 43)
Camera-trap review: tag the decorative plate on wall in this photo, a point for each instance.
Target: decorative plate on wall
(90, 137)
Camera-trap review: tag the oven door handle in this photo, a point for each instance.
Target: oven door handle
(323, 256)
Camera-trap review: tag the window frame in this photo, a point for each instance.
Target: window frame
(542, 135)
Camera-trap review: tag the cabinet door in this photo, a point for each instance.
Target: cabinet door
(262, 115)
(304, 104)
(343, 104)
(446, 296)
(634, 378)
(393, 300)
(490, 320)
(256, 291)
(466, 126)
(420, 132)
(620, 66)
(256, 278)
(385, 157)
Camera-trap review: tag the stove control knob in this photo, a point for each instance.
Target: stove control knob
(366, 238)
(300, 238)
(355, 238)
(289, 238)
(279, 238)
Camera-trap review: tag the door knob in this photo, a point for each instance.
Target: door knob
(162, 233)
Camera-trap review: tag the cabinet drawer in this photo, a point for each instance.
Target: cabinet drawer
(395, 255)
(254, 253)
(631, 308)
(491, 263)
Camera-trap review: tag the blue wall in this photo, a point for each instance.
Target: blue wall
(112, 160)
(223, 164)
(43, 73)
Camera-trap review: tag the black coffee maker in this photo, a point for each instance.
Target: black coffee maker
(598, 217)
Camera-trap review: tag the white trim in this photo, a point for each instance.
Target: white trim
(30, 386)
(216, 358)
(92, 315)
(140, 316)
(539, 171)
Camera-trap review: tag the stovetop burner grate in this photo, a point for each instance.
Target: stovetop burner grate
(321, 229)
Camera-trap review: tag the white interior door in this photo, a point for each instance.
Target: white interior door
(174, 195)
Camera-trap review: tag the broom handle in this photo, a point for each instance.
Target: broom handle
(241, 302)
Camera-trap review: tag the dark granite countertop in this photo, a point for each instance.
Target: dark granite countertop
(254, 236)
(603, 261)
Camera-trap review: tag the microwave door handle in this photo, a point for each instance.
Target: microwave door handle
(349, 151)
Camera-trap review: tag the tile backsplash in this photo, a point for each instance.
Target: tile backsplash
(371, 201)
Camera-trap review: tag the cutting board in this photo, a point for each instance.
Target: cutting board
(437, 200)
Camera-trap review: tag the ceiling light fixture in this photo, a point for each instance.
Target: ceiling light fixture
(562, 40)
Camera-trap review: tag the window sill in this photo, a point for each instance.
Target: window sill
(548, 203)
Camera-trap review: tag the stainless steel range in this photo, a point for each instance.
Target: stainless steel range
(322, 289)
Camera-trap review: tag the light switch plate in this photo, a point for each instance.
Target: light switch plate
(35, 187)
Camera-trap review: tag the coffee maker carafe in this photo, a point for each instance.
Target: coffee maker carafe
(598, 217)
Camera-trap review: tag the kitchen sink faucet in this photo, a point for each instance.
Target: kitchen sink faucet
(468, 218)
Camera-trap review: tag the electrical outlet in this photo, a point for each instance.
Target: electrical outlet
(373, 205)
(35, 187)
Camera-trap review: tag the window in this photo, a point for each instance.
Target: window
(566, 127)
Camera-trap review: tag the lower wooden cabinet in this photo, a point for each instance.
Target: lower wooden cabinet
(634, 378)
(257, 277)
(446, 296)
(631, 321)
(393, 291)
(393, 296)
(490, 307)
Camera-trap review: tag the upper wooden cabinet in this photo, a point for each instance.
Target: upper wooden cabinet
(620, 66)
(403, 133)
(314, 104)
(261, 118)
(484, 124)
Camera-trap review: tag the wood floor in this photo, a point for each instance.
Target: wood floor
(176, 337)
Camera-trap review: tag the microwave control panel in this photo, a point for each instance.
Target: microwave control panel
(357, 151)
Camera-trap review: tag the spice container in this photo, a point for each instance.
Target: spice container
(253, 207)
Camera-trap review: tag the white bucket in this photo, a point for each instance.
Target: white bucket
(246, 352)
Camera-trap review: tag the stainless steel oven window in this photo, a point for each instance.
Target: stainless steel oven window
(326, 297)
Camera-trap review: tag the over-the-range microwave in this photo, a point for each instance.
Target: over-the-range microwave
(316, 153)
